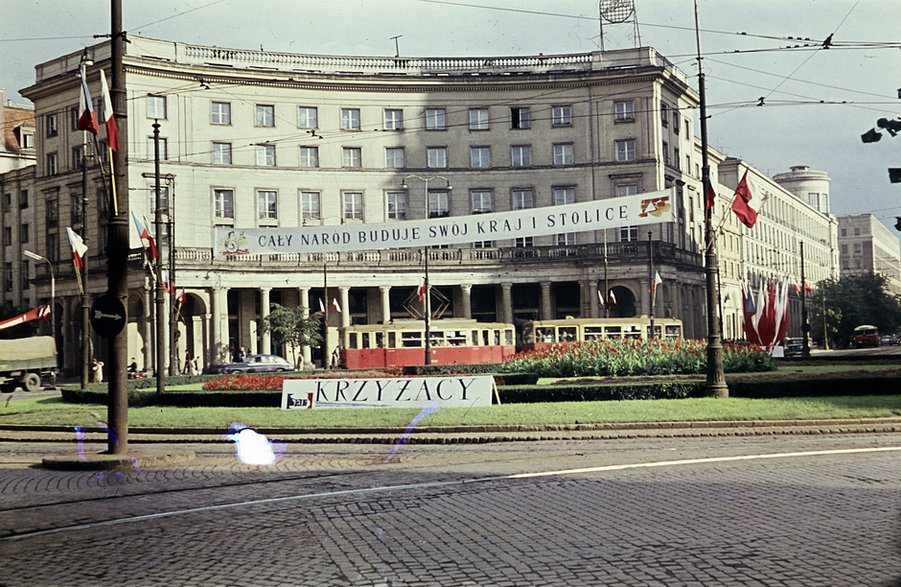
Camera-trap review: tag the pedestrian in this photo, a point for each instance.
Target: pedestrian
(186, 368)
(190, 365)
(97, 368)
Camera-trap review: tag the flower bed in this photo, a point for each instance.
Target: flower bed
(273, 382)
(619, 357)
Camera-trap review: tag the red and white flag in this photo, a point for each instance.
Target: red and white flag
(657, 281)
(182, 297)
(39, 313)
(78, 247)
(612, 297)
(601, 298)
(109, 119)
(87, 118)
(741, 205)
(335, 305)
(709, 195)
(421, 291)
(321, 306)
(168, 284)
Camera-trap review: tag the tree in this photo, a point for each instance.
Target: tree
(852, 300)
(288, 327)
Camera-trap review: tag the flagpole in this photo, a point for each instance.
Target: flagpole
(716, 380)
(805, 326)
(159, 298)
(325, 304)
(83, 283)
(652, 283)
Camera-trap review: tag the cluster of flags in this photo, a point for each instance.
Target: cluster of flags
(87, 119)
(765, 319)
(741, 201)
(336, 307)
(611, 298)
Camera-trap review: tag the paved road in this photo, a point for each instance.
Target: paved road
(467, 515)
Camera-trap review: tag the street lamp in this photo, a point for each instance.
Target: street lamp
(37, 257)
(425, 254)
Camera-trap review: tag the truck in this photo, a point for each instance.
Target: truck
(24, 361)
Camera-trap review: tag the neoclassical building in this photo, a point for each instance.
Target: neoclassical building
(254, 139)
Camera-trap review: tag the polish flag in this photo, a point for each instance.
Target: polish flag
(335, 305)
(109, 119)
(321, 306)
(78, 247)
(87, 118)
(601, 298)
(144, 234)
(657, 281)
(612, 297)
(421, 291)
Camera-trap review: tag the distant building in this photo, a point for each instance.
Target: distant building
(867, 245)
(257, 139)
(17, 148)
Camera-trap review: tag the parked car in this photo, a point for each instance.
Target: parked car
(888, 339)
(794, 347)
(255, 364)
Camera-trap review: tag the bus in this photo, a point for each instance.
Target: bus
(865, 335)
(540, 334)
(402, 342)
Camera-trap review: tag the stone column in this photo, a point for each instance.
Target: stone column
(147, 329)
(645, 297)
(506, 312)
(545, 311)
(265, 337)
(303, 301)
(344, 295)
(591, 291)
(466, 300)
(385, 298)
(217, 350)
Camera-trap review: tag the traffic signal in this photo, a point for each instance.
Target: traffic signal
(894, 174)
(897, 222)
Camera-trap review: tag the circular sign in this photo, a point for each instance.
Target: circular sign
(108, 316)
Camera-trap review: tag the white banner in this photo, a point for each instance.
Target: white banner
(401, 392)
(640, 209)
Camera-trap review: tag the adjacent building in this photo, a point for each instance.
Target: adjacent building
(253, 139)
(867, 245)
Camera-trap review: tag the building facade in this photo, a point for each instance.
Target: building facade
(867, 245)
(253, 139)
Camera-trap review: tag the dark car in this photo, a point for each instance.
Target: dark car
(255, 364)
(888, 339)
(794, 347)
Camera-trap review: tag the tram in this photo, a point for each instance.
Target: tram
(539, 334)
(402, 342)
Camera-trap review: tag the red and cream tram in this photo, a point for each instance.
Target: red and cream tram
(402, 342)
(539, 334)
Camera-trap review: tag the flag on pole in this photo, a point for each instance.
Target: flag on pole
(709, 195)
(807, 287)
(168, 284)
(612, 297)
(321, 306)
(657, 281)
(797, 289)
(87, 118)
(78, 247)
(335, 305)
(182, 297)
(109, 118)
(144, 234)
(421, 291)
(601, 298)
(741, 205)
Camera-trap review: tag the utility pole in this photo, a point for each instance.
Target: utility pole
(652, 286)
(173, 295)
(805, 325)
(117, 244)
(716, 380)
(159, 299)
(85, 298)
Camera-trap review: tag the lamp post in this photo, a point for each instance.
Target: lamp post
(427, 309)
(37, 257)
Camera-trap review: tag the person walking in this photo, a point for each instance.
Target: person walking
(97, 369)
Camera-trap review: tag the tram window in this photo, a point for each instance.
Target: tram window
(657, 333)
(437, 338)
(593, 332)
(352, 342)
(673, 331)
(527, 333)
(392, 340)
(633, 332)
(497, 337)
(365, 336)
(485, 337)
(474, 337)
(568, 334)
(411, 339)
(456, 338)
(546, 334)
(613, 331)
(508, 337)
(379, 340)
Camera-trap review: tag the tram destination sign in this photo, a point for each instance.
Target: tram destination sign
(639, 209)
(401, 392)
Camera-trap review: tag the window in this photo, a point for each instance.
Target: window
(27, 140)
(844, 249)
(52, 125)
(522, 199)
(562, 116)
(478, 119)
(666, 158)
(625, 189)
(307, 117)
(266, 155)
(564, 196)
(23, 199)
(310, 206)
(394, 119)
(74, 115)
(394, 157)
(265, 115)
(220, 113)
(480, 156)
(23, 272)
(224, 203)
(23, 233)
(353, 205)
(676, 156)
(625, 150)
(53, 246)
(624, 111)
(439, 206)
(309, 156)
(563, 154)
(664, 114)
(628, 234)
(164, 149)
(156, 107)
(222, 153)
(52, 163)
(352, 157)
(8, 236)
(52, 212)
(520, 118)
(481, 201)
(437, 156)
(521, 155)
(397, 205)
(164, 200)
(77, 157)
(267, 205)
(676, 120)
(350, 118)
(435, 119)
(75, 209)
(8, 276)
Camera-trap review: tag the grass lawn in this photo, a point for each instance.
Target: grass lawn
(54, 412)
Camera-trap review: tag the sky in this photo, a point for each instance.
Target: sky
(816, 103)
